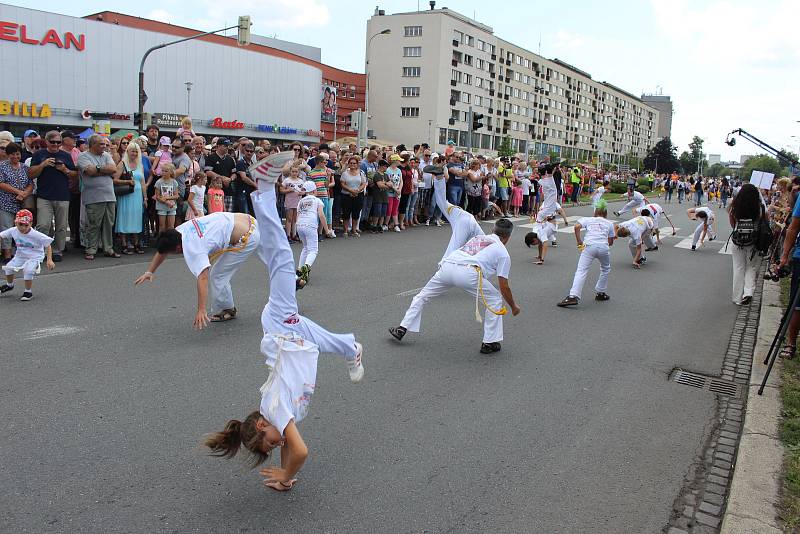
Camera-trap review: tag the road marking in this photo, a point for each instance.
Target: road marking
(684, 243)
(409, 292)
(51, 331)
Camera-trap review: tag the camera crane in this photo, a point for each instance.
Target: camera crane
(780, 154)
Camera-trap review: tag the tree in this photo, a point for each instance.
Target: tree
(688, 164)
(662, 157)
(505, 148)
(718, 169)
(762, 163)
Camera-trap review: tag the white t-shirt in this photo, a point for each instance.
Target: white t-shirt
(598, 230)
(287, 392)
(598, 194)
(707, 211)
(546, 231)
(637, 227)
(485, 251)
(526, 186)
(199, 195)
(307, 214)
(549, 193)
(30, 246)
(202, 237)
(638, 197)
(654, 209)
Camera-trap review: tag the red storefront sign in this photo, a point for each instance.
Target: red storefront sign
(18, 33)
(226, 125)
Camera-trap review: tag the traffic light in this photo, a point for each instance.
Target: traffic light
(476, 121)
(244, 30)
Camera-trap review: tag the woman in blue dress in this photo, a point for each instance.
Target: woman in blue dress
(130, 207)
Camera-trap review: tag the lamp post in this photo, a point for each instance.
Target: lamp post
(188, 92)
(243, 40)
(387, 31)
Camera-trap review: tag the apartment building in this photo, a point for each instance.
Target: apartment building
(433, 65)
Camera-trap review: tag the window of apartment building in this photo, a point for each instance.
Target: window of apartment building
(442, 136)
(478, 81)
(516, 93)
(527, 64)
(466, 98)
(519, 60)
(468, 40)
(462, 138)
(411, 72)
(480, 45)
(457, 56)
(523, 111)
(457, 35)
(509, 57)
(409, 112)
(412, 51)
(560, 91)
(524, 95)
(486, 141)
(467, 59)
(517, 76)
(487, 102)
(480, 64)
(489, 48)
(525, 79)
(455, 114)
(412, 31)
(507, 107)
(468, 79)
(515, 126)
(464, 116)
(452, 134)
(456, 75)
(410, 91)
(477, 101)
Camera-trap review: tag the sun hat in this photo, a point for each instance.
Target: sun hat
(309, 186)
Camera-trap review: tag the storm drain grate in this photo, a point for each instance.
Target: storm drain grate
(714, 385)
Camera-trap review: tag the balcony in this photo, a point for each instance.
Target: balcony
(491, 75)
(491, 110)
(454, 62)
(491, 92)
(452, 101)
(453, 83)
(497, 130)
(455, 42)
(494, 57)
(451, 121)
(506, 96)
(505, 114)
(508, 79)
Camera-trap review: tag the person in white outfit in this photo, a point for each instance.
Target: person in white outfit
(656, 212)
(599, 192)
(291, 344)
(32, 247)
(636, 200)
(223, 239)
(636, 229)
(469, 265)
(707, 226)
(542, 233)
(745, 212)
(594, 246)
(310, 214)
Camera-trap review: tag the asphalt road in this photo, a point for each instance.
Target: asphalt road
(573, 427)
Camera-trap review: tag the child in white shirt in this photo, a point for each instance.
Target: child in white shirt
(197, 194)
(32, 247)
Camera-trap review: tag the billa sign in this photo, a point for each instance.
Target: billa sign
(25, 109)
(19, 33)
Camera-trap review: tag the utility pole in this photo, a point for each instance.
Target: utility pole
(188, 92)
(243, 40)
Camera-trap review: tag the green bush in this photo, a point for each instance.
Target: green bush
(643, 189)
(618, 187)
(643, 181)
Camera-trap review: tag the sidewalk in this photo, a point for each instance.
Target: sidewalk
(757, 477)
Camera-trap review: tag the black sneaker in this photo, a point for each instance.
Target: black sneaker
(642, 260)
(569, 301)
(397, 332)
(747, 300)
(616, 213)
(554, 244)
(56, 258)
(5, 288)
(489, 348)
(651, 249)
(694, 247)
(27, 295)
(602, 296)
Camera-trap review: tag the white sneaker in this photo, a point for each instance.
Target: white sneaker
(397, 229)
(438, 223)
(385, 228)
(356, 367)
(428, 222)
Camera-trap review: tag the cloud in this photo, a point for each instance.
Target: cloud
(266, 15)
(161, 15)
(569, 40)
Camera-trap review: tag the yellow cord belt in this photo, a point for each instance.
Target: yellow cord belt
(480, 296)
(239, 246)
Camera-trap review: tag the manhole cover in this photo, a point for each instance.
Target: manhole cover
(709, 383)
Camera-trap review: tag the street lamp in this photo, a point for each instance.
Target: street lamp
(188, 92)
(366, 71)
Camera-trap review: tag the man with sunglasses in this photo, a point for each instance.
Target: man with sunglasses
(53, 168)
(244, 184)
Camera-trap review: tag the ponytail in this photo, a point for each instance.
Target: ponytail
(226, 444)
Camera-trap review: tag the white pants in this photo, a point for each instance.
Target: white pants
(463, 225)
(463, 277)
(308, 235)
(744, 272)
(219, 277)
(699, 231)
(590, 253)
(632, 246)
(280, 314)
(647, 239)
(633, 205)
(29, 267)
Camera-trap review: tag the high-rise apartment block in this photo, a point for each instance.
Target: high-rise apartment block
(426, 73)
(664, 106)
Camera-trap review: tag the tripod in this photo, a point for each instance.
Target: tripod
(777, 341)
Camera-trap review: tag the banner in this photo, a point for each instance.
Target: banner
(328, 104)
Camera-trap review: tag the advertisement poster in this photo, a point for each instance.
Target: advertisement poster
(328, 103)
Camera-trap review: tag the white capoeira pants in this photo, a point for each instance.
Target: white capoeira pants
(30, 267)
(308, 235)
(699, 231)
(463, 277)
(225, 266)
(590, 253)
(633, 205)
(280, 315)
(462, 224)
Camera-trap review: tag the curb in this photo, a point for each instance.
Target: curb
(757, 477)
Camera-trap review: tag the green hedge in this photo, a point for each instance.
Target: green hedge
(618, 187)
(643, 189)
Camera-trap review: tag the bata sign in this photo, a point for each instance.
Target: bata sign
(225, 125)
(18, 33)
(25, 109)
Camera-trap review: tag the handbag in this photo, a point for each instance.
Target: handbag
(124, 189)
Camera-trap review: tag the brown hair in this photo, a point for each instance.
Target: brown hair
(227, 443)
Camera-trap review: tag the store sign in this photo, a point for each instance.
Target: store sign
(25, 109)
(225, 125)
(286, 130)
(18, 33)
(166, 120)
(86, 114)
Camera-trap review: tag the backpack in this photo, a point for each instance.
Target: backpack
(744, 233)
(763, 237)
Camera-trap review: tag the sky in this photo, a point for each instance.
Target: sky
(726, 64)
